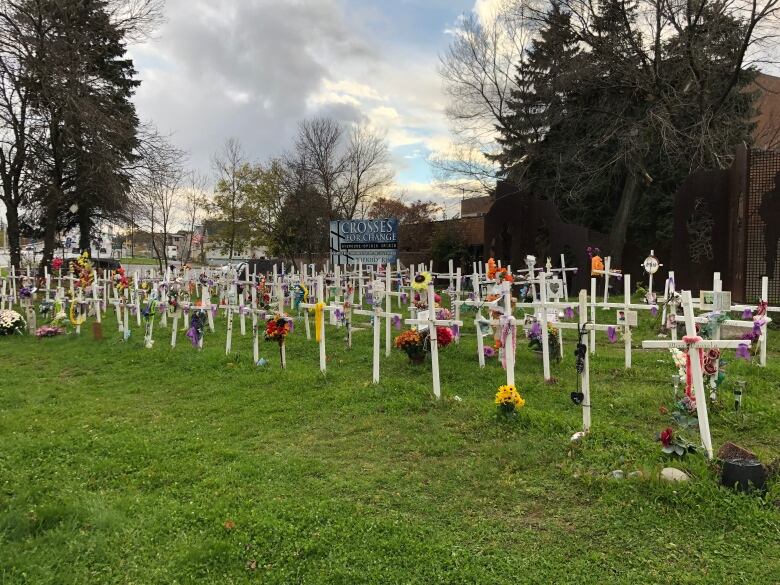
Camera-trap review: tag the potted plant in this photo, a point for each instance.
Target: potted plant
(412, 342)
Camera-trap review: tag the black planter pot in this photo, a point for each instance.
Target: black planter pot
(744, 474)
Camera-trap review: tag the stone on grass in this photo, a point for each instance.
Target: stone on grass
(673, 474)
(617, 474)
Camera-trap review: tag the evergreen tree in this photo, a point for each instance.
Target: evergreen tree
(80, 85)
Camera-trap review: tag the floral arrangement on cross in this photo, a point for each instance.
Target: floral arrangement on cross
(420, 288)
(497, 273)
(277, 328)
(535, 339)
(416, 344)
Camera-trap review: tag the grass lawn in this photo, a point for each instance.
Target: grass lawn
(125, 465)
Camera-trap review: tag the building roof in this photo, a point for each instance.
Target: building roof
(475, 206)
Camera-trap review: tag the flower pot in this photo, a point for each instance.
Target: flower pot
(417, 359)
(744, 474)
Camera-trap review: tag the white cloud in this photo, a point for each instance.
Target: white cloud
(252, 69)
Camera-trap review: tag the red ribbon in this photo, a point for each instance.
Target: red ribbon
(691, 340)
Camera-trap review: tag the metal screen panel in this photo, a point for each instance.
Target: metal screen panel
(763, 225)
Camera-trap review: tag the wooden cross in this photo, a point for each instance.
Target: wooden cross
(651, 266)
(508, 332)
(377, 315)
(606, 273)
(319, 324)
(430, 322)
(696, 373)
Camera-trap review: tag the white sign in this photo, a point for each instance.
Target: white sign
(651, 264)
(630, 318)
(715, 300)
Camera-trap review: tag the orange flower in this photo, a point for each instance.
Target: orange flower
(596, 264)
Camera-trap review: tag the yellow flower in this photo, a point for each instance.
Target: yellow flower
(421, 281)
(509, 395)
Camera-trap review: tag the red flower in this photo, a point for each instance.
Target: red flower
(666, 437)
(444, 336)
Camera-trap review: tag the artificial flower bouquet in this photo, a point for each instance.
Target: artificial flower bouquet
(11, 323)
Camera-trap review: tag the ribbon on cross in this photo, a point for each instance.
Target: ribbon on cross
(319, 320)
(691, 340)
(508, 333)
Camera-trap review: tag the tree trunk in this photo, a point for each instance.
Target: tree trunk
(86, 226)
(617, 236)
(12, 236)
(50, 230)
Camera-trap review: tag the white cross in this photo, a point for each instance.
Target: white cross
(508, 324)
(320, 324)
(606, 273)
(377, 315)
(431, 323)
(695, 365)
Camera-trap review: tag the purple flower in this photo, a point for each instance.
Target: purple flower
(568, 313)
(396, 321)
(612, 334)
(536, 329)
(338, 314)
(404, 298)
(489, 352)
(455, 330)
(743, 352)
(747, 314)
(192, 333)
(654, 310)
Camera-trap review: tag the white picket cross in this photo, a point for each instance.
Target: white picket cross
(430, 322)
(697, 375)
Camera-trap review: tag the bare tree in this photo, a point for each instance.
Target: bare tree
(322, 156)
(478, 70)
(157, 191)
(230, 195)
(137, 19)
(368, 171)
(194, 203)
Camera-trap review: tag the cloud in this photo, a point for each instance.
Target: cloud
(253, 69)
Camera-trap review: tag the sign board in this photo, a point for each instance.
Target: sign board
(715, 301)
(370, 241)
(554, 289)
(651, 264)
(630, 318)
(423, 316)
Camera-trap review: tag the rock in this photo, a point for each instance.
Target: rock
(576, 437)
(731, 451)
(673, 474)
(636, 475)
(617, 474)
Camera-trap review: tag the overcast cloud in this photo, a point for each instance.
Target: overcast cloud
(252, 69)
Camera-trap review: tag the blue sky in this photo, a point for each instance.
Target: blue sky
(252, 69)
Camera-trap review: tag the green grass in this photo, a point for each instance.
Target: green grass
(122, 465)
